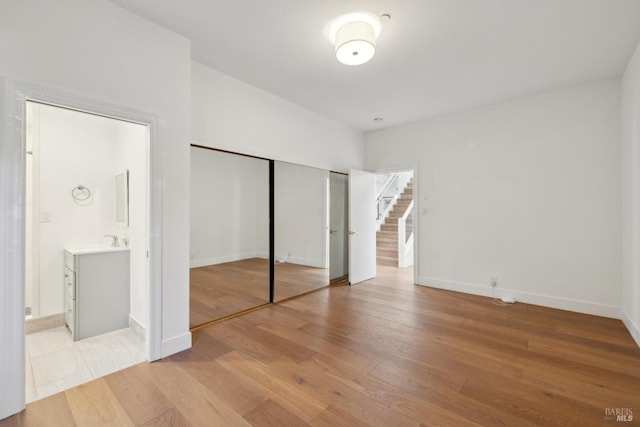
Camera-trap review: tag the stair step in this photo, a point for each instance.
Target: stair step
(387, 237)
(395, 215)
(392, 250)
(387, 234)
(387, 245)
(387, 252)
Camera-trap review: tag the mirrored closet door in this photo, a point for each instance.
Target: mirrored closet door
(338, 230)
(301, 229)
(229, 249)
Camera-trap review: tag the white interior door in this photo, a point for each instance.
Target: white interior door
(362, 226)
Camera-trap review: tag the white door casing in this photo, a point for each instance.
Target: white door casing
(12, 229)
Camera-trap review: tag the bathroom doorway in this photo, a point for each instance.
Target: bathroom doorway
(87, 198)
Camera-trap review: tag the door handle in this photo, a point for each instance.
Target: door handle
(351, 233)
(332, 231)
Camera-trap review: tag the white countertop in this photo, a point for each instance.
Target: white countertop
(93, 249)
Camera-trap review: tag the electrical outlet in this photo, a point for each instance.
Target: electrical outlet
(494, 282)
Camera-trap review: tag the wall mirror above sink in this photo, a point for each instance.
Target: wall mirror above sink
(122, 199)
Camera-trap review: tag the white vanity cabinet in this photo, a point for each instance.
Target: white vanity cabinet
(96, 290)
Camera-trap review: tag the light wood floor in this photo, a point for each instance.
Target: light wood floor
(383, 352)
(223, 289)
(294, 279)
(219, 290)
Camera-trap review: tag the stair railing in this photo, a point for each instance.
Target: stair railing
(405, 238)
(391, 192)
(385, 201)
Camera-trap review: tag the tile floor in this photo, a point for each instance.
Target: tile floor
(56, 363)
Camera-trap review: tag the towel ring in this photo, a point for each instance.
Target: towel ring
(80, 193)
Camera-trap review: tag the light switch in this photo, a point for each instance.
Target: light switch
(45, 216)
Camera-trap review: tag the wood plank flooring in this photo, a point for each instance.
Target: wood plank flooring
(383, 352)
(293, 279)
(219, 290)
(223, 289)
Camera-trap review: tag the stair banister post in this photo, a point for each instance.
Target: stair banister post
(401, 230)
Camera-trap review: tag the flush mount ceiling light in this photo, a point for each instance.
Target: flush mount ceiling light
(354, 36)
(355, 43)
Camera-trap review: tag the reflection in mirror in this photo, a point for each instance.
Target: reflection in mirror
(122, 199)
(301, 229)
(338, 237)
(229, 248)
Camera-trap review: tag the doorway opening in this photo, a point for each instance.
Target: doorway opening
(395, 221)
(338, 228)
(87, 222)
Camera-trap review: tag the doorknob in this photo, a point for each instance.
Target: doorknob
(332, 231)
(351, 233)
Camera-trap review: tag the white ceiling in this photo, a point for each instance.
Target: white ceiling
(434, 56)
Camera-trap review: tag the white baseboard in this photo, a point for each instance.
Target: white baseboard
(578, 306)
(176, 344)
(43, 323)
(195, 263)
(633, 329)
(301, 261)
(137, 328)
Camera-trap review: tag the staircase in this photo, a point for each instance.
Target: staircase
(387, 237)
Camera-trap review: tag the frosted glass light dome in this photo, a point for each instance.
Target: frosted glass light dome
(355, 43)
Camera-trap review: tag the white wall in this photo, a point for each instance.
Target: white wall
(300, 214)
(232, 115)
(83, 149)
(74, 149)
(100, 52)
(527, 191)
(131, 147)
(631, 195)
(229, 207)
